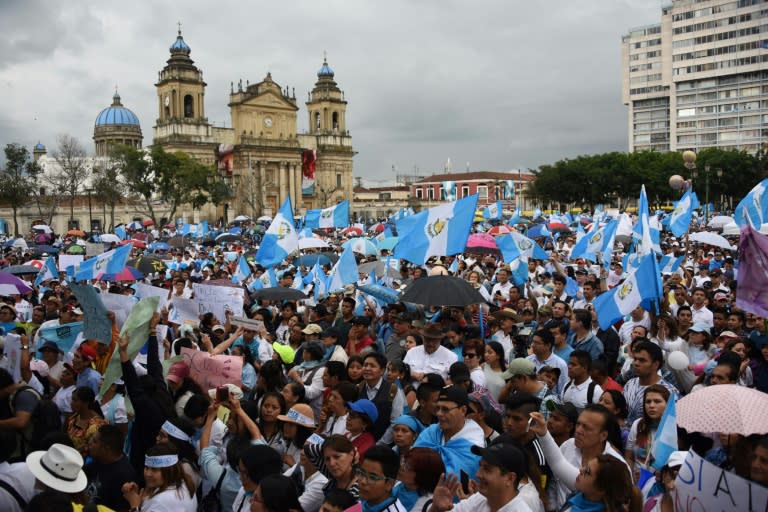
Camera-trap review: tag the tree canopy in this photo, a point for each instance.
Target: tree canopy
(17, 179)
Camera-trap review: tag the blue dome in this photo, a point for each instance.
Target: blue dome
(325, 70)
(39, 147)
(179, 45)
(116, 114)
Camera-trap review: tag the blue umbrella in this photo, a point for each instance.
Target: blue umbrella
(361, 246)
(538, 231)
(309, 260)
(383, 293)
(159, 246)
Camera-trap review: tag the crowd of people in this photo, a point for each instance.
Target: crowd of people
(519, 403)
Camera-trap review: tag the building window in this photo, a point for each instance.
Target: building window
(464, 191)
(419, 193)
(188, 106)
(482, 191)
(430, 193)
(385, 196)
(335, 121)
(338, 180)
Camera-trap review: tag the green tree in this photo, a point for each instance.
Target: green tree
(109, 188)
(17, 180)
(73, 169)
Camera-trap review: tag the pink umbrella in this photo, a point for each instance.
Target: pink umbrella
(352, 230)
(727, 408)
(501, 229)
(482, 243)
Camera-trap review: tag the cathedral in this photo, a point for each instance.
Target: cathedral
(263, 157)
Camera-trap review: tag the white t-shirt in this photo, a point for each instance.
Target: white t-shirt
(171, 500)
(437, 362)
(478, 503)
(578, 394)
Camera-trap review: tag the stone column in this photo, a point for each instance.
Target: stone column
(283, 180)
(286, 168)
(297, 177)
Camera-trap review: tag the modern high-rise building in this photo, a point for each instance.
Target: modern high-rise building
(699, 78)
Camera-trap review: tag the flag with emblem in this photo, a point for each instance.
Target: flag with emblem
(336, 216)
(449, 190)
(493, 211)
(641, 287)
(49, 271)
(439, 231)
(242, 272)
(516, 245)
(110, 262)
(344, 272)
(680, 219)
(281, 239)
(753, 209)
(509, 189)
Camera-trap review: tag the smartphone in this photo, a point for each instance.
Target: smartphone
(464, 477)
(222, 394)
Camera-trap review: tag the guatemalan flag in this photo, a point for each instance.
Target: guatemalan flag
(49, 271)
(336, 216)
(599, 240)
(110, 262)
(281, 239)
(509, 189)
(449, 190)
(680, 219)
(642, 230)
(665, 440)
(439, 231)
(670, 264)
(517, 246)
(344, 272)
(242, 272)
(493, 211)
(753, 209)
(641, 286)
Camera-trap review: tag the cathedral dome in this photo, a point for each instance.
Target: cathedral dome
(180, 46)
(39, 147)
(325, 70)
(116, 114)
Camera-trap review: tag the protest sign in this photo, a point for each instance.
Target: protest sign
(218, 299)
(63, 335)
(145, 290)
(247, 323)
(92, 249)
(213, 371)
(12, 350)
(701, 486)
(136, 327)
(96, 324)
(121, 305)
(183, 311)
(66, 260)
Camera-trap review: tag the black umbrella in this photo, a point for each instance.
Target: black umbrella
(278, 293)
(40, 249)
(441, 291)
(147, 264)
(226, 238)
(18, 270)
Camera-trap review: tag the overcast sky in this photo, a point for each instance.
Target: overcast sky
(500, 84)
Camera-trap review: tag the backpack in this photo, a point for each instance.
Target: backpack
(46, 418)
(212, 501)
(590, 391)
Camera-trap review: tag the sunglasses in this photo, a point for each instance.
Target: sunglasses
(469, 355)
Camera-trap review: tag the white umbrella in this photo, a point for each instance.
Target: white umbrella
(719, 221)
(43, 228)
(731, 229)
(20, 243)
(312, 243)
(264, 218)
(241, 218)
(109, 238)
(710, 238)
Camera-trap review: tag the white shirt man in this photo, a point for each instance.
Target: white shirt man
(431, 357)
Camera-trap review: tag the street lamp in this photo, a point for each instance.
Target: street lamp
(707, 174)
(90, 212)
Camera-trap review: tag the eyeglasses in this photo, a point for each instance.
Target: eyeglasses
(445, 410)
(466, 356)
(369, 477)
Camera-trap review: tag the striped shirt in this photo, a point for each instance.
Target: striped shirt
(633, 394)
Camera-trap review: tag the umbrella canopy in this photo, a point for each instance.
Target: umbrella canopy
(558, 227)
(40, 249)
(482, 243)
(42, 227)
(441, 291)
(379, 268)
(159, 246)
(731, 229)
(537, 231)
(361, 246)
(352, 231)
(109, 238)
(38, 264)
(312, 243)
(148, 222)
(726, 408)
(147, 264)
(709, 238)
(309, 260)
(241, 218)
(227, 238)
(377, 228)
(140, 244)
(75, 249)
(501, 229)
(718, 221)
(127, 274)
(278, 293)
(75, 232)
(18, 270)
(264, 218)
(135, 225)
(12, 282)
(388, 243)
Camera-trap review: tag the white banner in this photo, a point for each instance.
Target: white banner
(219, 299)
(121, 305)
(65, 260)
(147, 290)
(183, 311)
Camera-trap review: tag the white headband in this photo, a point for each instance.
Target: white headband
(161, 461)
(174, 431)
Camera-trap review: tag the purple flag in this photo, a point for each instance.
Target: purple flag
(752, 289)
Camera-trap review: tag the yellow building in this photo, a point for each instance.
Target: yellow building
(263, 156)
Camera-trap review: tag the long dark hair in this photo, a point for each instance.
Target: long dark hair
(86, 394)
(496, 347)
(271, 377)
(173, 476)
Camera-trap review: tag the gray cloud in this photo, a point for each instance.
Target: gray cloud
(500, 84)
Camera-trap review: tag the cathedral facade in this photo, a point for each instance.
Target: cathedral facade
(263, 157)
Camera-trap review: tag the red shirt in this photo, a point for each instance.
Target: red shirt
(363, 442)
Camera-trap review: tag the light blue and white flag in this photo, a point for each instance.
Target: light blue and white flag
(665, 440)
(597, 241)
(509, 189)
(680, 219)
(242, 272)
(320, 282)
(49, 271)
(670, 264)
(344, 272)
(537, 213)
(641, 233)
(753, 209)
(609, 239)
(642, 286)
(516, 218)
(493, 211)
(281, 239)
(120, 231)
(439, 231)
(449, 191)
(202, 229)
(336, 216)
(110, 262)
(515, 245)
(454, 266)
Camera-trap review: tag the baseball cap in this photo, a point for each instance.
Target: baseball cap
(285, 352)
(88, 353)
(236, 391)
(721, 296)
(364, 406)
(312, 329)
(504, 455)
(49, 345)
(519, 366)
(567, 409)
(178, 372)
(676, 459)
(699, 327)
(454, 394)
(218, 327)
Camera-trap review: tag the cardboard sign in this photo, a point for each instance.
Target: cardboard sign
(146, 290)
(247, 323)
(213, 371)
(701, 486)
(12, 350)
(184, 311)
(66, 260)
(92, 249)
(121, 305)
(96, 324)
(218, 300)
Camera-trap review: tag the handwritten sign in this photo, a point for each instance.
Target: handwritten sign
(218, 300)
(12, 350)
(213, 371)
(66, 260)
(247, 323)
(120, 304)
(183, 311)
(701, 486)
(96, 324)
(145, 290)
(63, 335)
